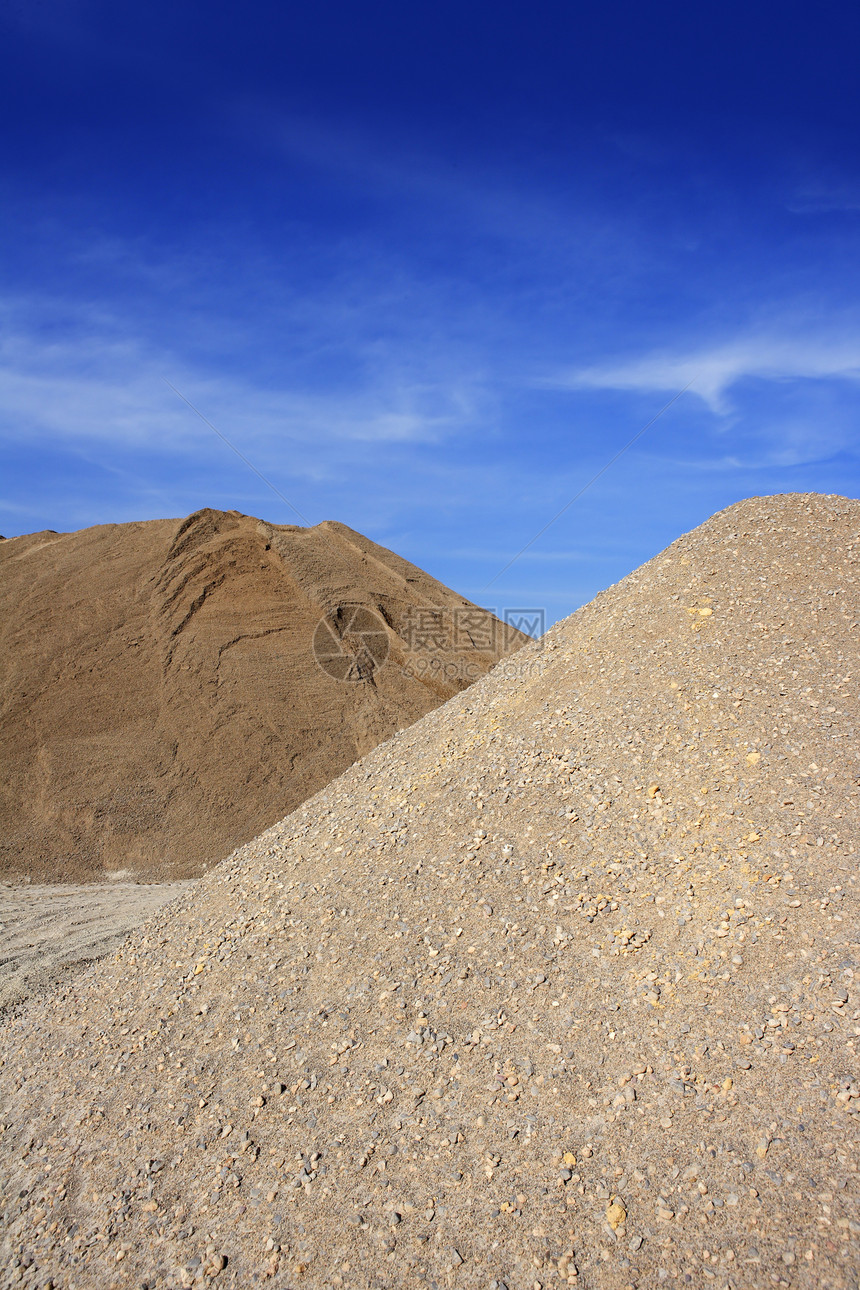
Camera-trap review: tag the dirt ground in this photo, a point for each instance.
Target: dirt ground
(48, 932)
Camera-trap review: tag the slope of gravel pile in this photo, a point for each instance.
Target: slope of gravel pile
(557, 987)
(161, 698)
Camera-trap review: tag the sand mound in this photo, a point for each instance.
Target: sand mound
(162, 701)
(558, 986)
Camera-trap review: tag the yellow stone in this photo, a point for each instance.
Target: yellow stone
(568, 1159)
(615, 1215)
(754, 758)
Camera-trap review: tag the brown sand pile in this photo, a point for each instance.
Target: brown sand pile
(161, 701)
(557, 987)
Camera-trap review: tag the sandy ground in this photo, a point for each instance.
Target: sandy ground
(48, 931)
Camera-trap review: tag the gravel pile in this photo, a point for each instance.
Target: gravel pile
(557, 987)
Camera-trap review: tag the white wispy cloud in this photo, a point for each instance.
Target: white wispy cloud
(712, 371)
(92, 388)
(385, 167)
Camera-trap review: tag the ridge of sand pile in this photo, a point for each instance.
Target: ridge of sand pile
(558, 986)
(161, 702)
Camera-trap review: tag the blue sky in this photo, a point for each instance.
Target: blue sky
(429, 267)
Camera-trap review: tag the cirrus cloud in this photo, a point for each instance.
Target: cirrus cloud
(712, 371)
